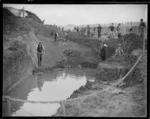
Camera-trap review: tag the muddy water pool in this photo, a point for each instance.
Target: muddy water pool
(52, 86)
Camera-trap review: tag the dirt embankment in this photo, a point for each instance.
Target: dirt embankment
(121, 100)
(19, 47)
(128, 99)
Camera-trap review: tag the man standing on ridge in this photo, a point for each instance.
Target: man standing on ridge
(40, 48)
(88, 31)
(142, 27)
(118, 30)
(99, 28)
(66, 36)
(56, 36)
(112, 29)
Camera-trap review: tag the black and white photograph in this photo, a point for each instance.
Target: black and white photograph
(74, 60)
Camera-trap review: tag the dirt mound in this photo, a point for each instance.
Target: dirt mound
(123, 59)
(34, 17)
(78, 92)
(71, 53)
(132, 42)
(138, 75)
(115, 67)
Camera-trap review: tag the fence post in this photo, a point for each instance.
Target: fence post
(123, 38)
(6, 108)
(143, 43)
(63, 107)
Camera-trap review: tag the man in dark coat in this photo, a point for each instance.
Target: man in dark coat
(118, 30)
(103, 51)
(142, 27)
(112, 29)
(88, 30)
(56, 36)
(99, 28)
(40, 49)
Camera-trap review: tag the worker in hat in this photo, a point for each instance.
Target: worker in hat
(99, 29)
(142, 28)
(118, 30)
(88, 30)
(103, 47)
(56, 36)
(66, 36)
(119, 50)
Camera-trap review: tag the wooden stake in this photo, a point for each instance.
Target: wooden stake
(143, 43)
(63, 107)
(123, 38)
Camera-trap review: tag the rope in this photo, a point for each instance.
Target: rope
(30, 101)
(62, 102)
(115, 84)
(105, 89)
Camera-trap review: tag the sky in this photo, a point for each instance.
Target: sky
(62, 14)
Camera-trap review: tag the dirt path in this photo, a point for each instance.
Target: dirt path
(54, 51)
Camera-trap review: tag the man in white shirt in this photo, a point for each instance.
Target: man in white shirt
(119, 50)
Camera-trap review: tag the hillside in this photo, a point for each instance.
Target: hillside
(19, 45)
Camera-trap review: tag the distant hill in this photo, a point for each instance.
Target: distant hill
(69, 27)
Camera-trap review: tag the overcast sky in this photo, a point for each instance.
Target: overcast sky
(86, 14)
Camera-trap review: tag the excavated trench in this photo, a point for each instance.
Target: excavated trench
(103, 73)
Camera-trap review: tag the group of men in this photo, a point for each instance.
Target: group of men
(99, 30)
(103, 46)
(102, 51)
(142, 27)
(56, 36)
(119, 50)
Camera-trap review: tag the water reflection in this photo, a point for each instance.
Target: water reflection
(49, 88)
(40, 81)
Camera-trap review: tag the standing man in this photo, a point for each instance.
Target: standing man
(77, 29)
(103, 51)
(88, 31)
(142, 27)
(118, 30)
(99, 28)
(112, 29)
(56, 36)
(40, 48)
(66, 36)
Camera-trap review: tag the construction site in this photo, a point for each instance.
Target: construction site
(72, 81)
